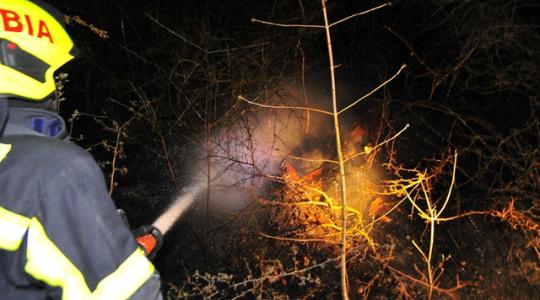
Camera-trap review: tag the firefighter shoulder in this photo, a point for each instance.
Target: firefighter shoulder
(60, 236)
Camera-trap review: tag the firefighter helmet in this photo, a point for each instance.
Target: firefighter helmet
(33, 45)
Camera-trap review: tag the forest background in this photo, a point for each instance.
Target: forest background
(168, 95)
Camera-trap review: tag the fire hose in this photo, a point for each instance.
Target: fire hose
(150, 237)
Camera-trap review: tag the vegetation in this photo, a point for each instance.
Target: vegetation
(330, 169)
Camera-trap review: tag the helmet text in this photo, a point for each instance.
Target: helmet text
(12, 23)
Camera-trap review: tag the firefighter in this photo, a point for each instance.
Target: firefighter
(60, 235)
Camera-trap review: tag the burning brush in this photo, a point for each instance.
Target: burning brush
(307, 209)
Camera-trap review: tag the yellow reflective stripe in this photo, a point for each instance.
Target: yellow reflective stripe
(12, 229)
(4, 150)
(47, 263)
(130, 276)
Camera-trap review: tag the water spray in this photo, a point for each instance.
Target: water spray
(167, 219)
(150, 237)
(260, 153)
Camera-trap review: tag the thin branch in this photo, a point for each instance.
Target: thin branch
(139, 57)
(403, 66)
(175, 34)
(320, 26)
(451, 185)
(117, 146)
(380, 144)
(304, 89)
(343, 182)
(306, 159)
(466, 214)
(201, 48)
(285, 106)
(286, 25)
(113, 171)
(237, 48)
(285, 274)
(411, 50)
(361, 13)
(279, 238)
(386, 213)
(449, 292)
(129, 108)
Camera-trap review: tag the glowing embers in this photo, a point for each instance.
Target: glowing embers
(305, 207)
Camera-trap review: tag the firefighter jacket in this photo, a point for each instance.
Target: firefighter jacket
(60, 235)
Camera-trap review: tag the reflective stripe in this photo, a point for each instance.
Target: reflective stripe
(47, 263)
(130, 275)
(4, 150)
(13, 227)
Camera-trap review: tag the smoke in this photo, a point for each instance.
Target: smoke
(246, 153)
(226, 176)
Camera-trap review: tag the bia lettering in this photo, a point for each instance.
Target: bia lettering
(13, 22)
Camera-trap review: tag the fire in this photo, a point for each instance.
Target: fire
(358, 134)
(377, 208)
(308, 209)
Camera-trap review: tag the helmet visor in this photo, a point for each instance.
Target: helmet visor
(12, 56)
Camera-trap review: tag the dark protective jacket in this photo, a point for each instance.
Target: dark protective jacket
(60, 235)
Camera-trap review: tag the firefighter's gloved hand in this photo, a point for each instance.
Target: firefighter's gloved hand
(149, 239)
